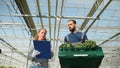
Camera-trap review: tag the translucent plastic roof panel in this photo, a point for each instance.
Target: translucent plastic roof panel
(21, 19)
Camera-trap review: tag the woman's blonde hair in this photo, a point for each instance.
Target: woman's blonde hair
(37, 36)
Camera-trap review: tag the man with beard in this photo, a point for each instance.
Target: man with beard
(74, 36)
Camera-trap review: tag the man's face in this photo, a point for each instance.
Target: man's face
(71, 26)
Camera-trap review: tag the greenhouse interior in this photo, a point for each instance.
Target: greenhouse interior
(20, 20)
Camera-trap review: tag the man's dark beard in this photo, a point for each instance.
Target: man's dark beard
(72, 30)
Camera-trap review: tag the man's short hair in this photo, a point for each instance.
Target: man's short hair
(73, 21)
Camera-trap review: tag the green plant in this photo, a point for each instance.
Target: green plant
(7, 67)
(2, 67)
(89, 44)
(78, 45)
(66, 45)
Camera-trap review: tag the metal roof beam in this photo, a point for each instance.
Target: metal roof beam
(24, 9)
(99, 14)
(61, 39)
(109, 39)
(45, 16)
(91, 13)
(49, 14)
(62, 5)
(39, 12)
(63, 26)
(55, 24)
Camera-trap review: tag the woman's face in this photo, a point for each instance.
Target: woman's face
(42, 34)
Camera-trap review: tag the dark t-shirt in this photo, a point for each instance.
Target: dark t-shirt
(73, 38)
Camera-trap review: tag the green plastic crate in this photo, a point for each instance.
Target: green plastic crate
(80, 58)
